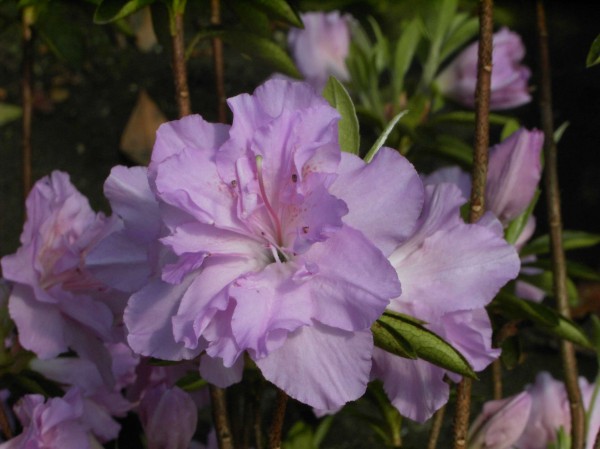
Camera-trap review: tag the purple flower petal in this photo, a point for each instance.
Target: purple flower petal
(384, 197)
(213, 370)
(321, 366)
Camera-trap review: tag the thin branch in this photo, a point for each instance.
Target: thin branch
(497, 379)
(182, 91)
(26, 94)
(278, 418)
(436, 427)
(217, 45)
(479, 175)
(567, 351)
(220, 417)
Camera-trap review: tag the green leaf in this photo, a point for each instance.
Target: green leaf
(251, 17)
(300, 436)
(596, 334)
(469, 117)
(558, 133)
(426, 344)
(511, 352)
(337, 96)
(515, 228)
(545, 318)
(113, 10)
(455, 149)
(386, 338)
(9, 113)
(381, 49)
(321, 430)
(570, 239)
(574, 269)
(516, 308)
(463, 33)
(593, 56)
(509, 128)
(405, 50)
(191, 382)
(280, 9)
(263, 49)
(545, 281)
(383, 137)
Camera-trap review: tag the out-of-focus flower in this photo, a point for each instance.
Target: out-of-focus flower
(513, 176)
(500, 423)
(55, 302)
(509, 77)
(273, 251)
(168, 416)
(449, 272)
(514, 173)
(320, 49)
(56, 423)
(511, 422)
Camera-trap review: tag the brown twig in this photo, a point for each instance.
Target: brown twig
(597, 441)
(497, 379)
(182, 91)
(26, 94)
(479, 175)
(436, 427)
(278, 418)
(567, 350)
(217, 45)
(4, 424)
(220, 417)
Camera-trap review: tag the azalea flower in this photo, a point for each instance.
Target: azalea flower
(509, 77)
(55, 302)
(449, 272)
(266, 258)
(501, 423)
(56, 423)
(321, 47)
(514, 173)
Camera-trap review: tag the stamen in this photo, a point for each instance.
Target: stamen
(263, 192)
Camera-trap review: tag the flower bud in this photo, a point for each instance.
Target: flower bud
(509, 77)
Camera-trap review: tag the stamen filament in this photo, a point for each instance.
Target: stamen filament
(263, 192)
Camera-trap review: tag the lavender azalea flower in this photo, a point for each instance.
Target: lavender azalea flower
(500, 423)
(449, 272)
(509, 77)
(168, 416)
(320, 49)
(52, 424)
(265, 257)
(55, 302)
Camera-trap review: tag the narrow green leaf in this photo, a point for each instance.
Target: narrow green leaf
(113, 10)
(383, 137)
(280, 9)
(595, 340)
(9, 113)
(545, 281)
(516, 308)
(465, 32)
(321, 430)
(405, 50)
(558, 133)
(515, 228)
(455, 149)
(511, 352)
(593, 56)
(574, 269)
(545, 318)
(264, 49)
(570, 239)
(391, 341)
(426, 344)
(509, 128)
(191, 382)
(337, 96)
(251, 17)
(381, 49)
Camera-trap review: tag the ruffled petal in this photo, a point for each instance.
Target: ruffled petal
(213, 371)
(384, 197)
(148, 319)
(321, 366)
(352, 281)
